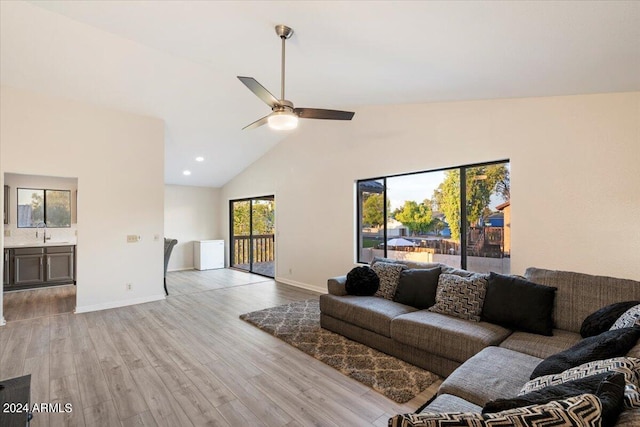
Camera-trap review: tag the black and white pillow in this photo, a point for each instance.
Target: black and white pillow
(629, 318)
(584, 410)
(628, 366)
(389, 275)
(601, 320)
(607, 345)
(608, 387)
(460, 297)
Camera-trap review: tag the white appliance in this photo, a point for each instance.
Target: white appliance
(208, 254)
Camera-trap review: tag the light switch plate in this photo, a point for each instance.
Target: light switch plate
(133, 238)
(7, 233)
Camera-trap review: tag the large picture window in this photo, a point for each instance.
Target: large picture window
(40, 206)
(419, 217)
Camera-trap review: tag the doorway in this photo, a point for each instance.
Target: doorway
(252, 231)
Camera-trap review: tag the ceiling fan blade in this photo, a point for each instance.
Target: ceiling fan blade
(319, 113)
(257, 123)
(259, 90)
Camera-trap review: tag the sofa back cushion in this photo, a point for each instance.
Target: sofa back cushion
(417, 287)
(580, 294)
(519, 304)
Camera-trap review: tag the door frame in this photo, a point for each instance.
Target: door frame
(271, 197)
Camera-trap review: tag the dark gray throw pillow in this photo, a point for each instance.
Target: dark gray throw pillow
(417, 287)
(603, 319)
(518, 304)
(608, 386)
(362, 281)
(607, 345)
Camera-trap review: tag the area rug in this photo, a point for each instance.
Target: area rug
(298, 324)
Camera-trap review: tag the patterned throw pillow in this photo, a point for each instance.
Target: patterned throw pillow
(584, 410)
(629, 318)
(603, 319)
(628, 366)
(461, 297)
(389, 275)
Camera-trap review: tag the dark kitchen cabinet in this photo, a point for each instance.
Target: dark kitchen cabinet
(5, 273)
(28, 266)
(38, 266)
(60, 264)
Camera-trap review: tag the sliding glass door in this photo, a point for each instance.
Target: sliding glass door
(253, 235)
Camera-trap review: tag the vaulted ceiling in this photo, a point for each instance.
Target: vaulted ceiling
(178, 60)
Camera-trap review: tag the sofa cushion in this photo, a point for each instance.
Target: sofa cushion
(579, 294)
(579, 411)
(494, 373)
(389, 275)
(604, 346)
(445, 336)
(519, 304)
(371, 313)
(417, 287)
(628, 319)
(604, 318)
(461, 297)
(539, 345)
(608, 386)
(450, 403)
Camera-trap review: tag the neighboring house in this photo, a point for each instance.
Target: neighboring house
(396, 229)
(496, 219)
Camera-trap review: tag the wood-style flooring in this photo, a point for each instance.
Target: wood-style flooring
(188, 360)
(29, 304)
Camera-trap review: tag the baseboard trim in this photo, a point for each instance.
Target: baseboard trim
(116, 304)
(181, 269)
(301, 285)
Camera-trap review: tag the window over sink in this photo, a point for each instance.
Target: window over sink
(38, 206)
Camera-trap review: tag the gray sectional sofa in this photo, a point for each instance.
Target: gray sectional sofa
(481, 361)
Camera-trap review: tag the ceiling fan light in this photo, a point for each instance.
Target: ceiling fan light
(283, 120)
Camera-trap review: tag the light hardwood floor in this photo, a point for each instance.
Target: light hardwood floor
(188, 360)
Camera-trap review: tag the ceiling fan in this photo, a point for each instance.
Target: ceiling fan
(283, 115)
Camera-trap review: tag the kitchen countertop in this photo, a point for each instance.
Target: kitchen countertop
(37, 244)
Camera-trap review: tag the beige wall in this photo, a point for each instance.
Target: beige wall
(575, 178)
(190, 213)
(118, 159)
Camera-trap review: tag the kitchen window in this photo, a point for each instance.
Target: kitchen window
(38, 206)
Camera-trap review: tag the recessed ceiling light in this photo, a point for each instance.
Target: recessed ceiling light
(186, 172)
(199, 159)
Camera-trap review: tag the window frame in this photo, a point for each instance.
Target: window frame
(44, 207)
(463, 202)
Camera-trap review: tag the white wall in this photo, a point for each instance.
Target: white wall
(575, 178)
(118, 159)
(190, 213)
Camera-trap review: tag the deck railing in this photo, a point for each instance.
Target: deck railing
(263, 248)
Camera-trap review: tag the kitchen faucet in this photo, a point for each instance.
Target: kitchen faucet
(44, 232)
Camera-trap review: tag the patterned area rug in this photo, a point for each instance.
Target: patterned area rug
(298, 324)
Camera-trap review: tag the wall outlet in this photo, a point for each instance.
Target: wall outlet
(129, 286)
(133, 238)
